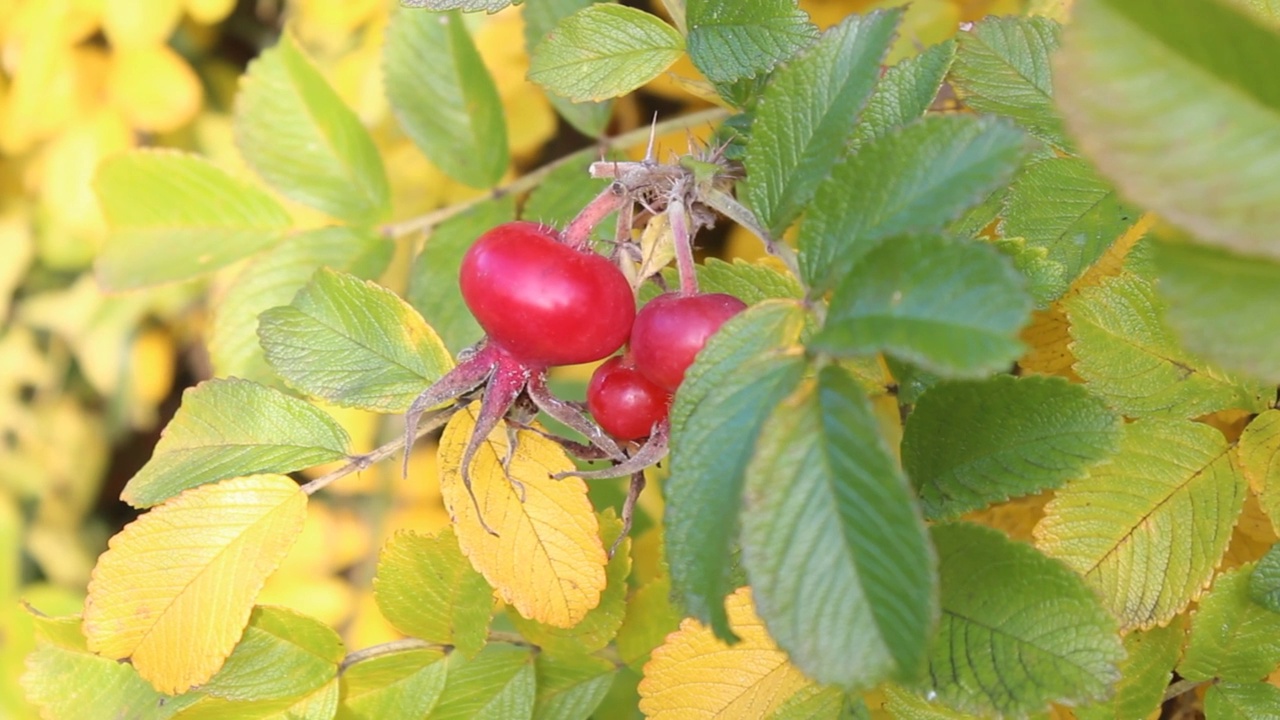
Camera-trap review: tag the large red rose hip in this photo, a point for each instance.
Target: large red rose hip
(672, 328)
(542, 301)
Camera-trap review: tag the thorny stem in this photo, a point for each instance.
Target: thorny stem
(577, 234)
(356, 463)
(683, 245)
(530, 180)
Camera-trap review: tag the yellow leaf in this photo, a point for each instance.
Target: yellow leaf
(1049, 344)
(154, 88)
(134, 23)
(174, 589)
(546, 560)
(695, 675)
(209, 12)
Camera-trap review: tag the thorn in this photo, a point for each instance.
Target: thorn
(649, 159)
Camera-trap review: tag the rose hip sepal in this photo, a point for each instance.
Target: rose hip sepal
(669, 332)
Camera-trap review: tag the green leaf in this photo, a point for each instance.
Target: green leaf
(1259, 451)
(902, 704)
(1144, 674)
(353, 343)
(433, 284)
(1046, 278)
(734, 39)
(904, 93)
(916, 178)
(1147, 528)
(499, 683)
(1242, 701)
(604, 51)
(802, 122)
(1127, 354)
(1060, 204)
(1264, 582)
(650, 618)
(744, 371)
(540, 18)
(489, 6)
(833, 541)
(971, 444)
(426, 588)
(1018, 630)
(444, 97)
(1003, 68)
(320, 704)
(294, 130)
(568, 187)
(230, 427)
(272, 279)
(750, 282)
(174, 216)
(571, 687)
(953, 308)
(1222, 305)
(1175, 104)
(400, 684)
(283, 654)
(816, 702)
(1232, 637)
(601, 623)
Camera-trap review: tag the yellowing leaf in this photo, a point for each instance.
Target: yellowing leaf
(1259, 451)
(129, 23)
(154, 88)
(175, 588)
(546, 559)
(694, 674)
(209, 12)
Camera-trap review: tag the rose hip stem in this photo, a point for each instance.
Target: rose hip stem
(577, 234)
(683, 243)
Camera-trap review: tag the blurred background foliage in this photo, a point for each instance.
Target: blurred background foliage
(87, 379)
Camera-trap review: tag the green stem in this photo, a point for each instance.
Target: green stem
(530, 180)
(356, 463)
(1182, 686)
(387, 648)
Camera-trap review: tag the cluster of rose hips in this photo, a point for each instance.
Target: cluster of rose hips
(545, 299)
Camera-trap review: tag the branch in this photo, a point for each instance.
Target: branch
(1182, 686)
(388, 648)
(357, 463)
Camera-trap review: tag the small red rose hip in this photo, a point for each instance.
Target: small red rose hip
(543, 302)
(623, 401)
(670, 331)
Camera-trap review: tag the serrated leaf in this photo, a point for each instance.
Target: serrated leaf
(398, 684)
(546, 559)
(1264, 581)
(320, 704)
(1210, 62)
(489, 6)
(744, 370)
(1018, 630)
(916, 178)
(1259, 451)
(1126, 354)
(174, 216)
(444, 97)
(352, 343)
(426, 588)
(731, 39)
(571, 687)
(589, 118)
(803, 119)
(650, 618)
(1147, 528)
(71, 682)
(433, 282)
(1222, 305)
(816, 702)
(497, 684)
(970, 444)
(1061, 205)
(272, 279)
(283, 654)
(905, 92)
(1232, 638)
(228, 427)
(902, 704)
(750, 282)
(1242, 701)
(695, 673)
(953, 308)
(604, 51)
(1003, 68)
(1144, 674)
(295, 131)
(178, 615)
(600, 625)
(833, 541)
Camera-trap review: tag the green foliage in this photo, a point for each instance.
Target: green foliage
(452, 112)
(1018, 629)
(490, 6)
(176, 216)
(282, 655)
(497, 683)
(571, 687)
(905, 91)
(408, 682)
(730, 40)
(352, 343)
(228, 427)
(1232, 637)
(299, 136)
(835, 549)
(604, 51)
(1242, 701)
(1145, 673)
(589, 118)
(973, 443)
(1264, 581)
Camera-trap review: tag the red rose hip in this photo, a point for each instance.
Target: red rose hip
(624, 402)
(670, 331)
(542, 301)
